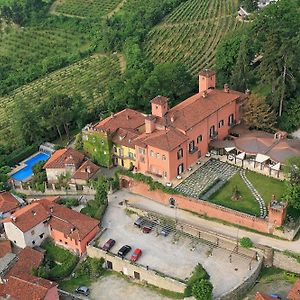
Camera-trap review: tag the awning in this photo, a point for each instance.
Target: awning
(241, 156)
(276, 167)
(260, 158)
(228, 149)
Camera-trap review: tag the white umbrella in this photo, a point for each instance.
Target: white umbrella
(260, 158)
(228, 149)
(241, 156)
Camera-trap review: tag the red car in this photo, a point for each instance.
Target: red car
(108, 245)
(136, 254)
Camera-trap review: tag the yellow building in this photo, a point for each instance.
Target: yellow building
(123, 150)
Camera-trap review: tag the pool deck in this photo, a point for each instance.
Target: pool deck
(21, 165)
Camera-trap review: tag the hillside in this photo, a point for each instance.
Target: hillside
(191, 33)
(87, 77)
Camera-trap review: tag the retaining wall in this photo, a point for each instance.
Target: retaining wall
(198, 206)
(134, 271)
(285, 262)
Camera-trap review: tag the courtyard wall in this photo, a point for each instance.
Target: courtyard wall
(198, 206)
(141, 273)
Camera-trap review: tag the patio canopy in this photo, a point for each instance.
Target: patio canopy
(228, 149)
(276, 167)
(260, 158)
(241, 156)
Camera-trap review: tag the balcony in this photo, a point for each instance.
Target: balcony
(192, 151)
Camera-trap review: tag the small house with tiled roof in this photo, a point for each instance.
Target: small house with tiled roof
(19, 284)
(9, 203)
(63, 162)
(294, 293)
(170, 140)
(29, 226)
(87, 171)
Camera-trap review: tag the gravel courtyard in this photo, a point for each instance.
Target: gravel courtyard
(175, 259)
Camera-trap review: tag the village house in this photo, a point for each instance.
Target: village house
(19, 284)
(31, 225)
(9, 203)
(72, 164)
(170, 140)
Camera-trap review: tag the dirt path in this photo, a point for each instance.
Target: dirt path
(52, 11)
(113, 287)
(122, 62)
(119, 6)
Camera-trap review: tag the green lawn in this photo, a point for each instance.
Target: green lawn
(266, 186)
(247, 202)
(71, 284)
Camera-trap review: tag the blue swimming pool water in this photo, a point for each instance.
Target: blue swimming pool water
(27, 171)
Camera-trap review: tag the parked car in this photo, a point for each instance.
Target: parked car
(124, 250)
(275, 296)
(138, 222)
(136, 254)
(83, 290)
(165, 231)
(108, 245)
(147, 229)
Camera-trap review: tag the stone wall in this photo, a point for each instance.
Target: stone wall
(285, 262)
(198, 206)
(137, 272)
(235, 293)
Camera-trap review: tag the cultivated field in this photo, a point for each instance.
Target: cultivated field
(87, 8)
(87, 77)
(192, 32)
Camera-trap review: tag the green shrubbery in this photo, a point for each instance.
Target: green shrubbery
(58, 263)
(69, 202)
(198, 274)
(246, 242)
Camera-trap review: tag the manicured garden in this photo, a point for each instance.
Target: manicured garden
(246, 202)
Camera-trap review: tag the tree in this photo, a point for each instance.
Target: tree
(202, 289)
(292, 169)
(101, 191)
(246, 242)
(292, 194)
(39, 174)
(257, 114)
(250, 5)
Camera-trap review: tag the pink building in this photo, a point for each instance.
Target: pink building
(173, 139)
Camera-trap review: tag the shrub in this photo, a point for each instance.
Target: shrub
(246, 242)
(69, 202)
(202, 289)
(198, 274)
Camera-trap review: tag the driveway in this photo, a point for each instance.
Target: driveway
(169, 255)
(226, 230)
(117, 288)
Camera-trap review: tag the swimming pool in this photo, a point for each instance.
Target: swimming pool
(27, 171)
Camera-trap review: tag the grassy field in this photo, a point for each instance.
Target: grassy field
(266, 186)
(87, 77)
(246, 204)
(91, 8)
(192, 32)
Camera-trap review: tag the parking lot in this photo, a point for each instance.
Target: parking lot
(172, 255)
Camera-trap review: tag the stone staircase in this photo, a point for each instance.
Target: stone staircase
(257, 196)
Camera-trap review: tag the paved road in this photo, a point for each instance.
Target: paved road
(230, 231)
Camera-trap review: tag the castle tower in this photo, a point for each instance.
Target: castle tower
(207, 80)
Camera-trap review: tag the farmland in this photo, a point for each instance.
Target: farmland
(78, 8)
(87, 77)
(192, 32)
(26, 53)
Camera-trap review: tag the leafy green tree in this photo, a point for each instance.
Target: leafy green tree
(202, 290)
(246, 242)
(39, 174)
(101, 191)
(250, 5)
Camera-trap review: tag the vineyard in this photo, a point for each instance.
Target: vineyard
(192, 32)
(30, 52)
(91, 8)
(87, 77)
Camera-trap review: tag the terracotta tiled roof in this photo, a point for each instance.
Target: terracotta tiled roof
(63, 157)
(196, 108)
(166, 140)
(28, 217)
(161, 100)
(27, 287)
(87, 170)
(69, 221)
(8, 202)
(126, 119)
(28, 258)
(294, 293)
(125, 137)
(5, 247)
(261, 296)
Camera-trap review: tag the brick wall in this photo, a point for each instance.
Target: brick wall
(198, 206)
(285, 262)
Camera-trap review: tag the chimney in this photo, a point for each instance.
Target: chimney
(127, 117)
(207, 80)
(204, 94)
(88, 169)
(112, 115)
(149, 124)
(14, 218)
(226, 88)
(247, 92)
(51, 209)
(172, 118)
